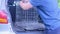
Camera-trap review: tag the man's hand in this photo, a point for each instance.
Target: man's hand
(25, 5)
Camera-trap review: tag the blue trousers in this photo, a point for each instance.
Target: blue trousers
(55, 31)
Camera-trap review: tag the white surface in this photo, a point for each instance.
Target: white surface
(6, 29)
(6, 32)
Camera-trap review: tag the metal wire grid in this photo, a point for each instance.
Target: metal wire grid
(28, 15)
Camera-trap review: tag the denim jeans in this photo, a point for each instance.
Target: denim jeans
(55, 31)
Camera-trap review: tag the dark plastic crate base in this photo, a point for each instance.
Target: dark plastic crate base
(31, 32)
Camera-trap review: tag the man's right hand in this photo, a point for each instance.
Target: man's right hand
(25, 6)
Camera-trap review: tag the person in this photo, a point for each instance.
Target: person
(48, 10)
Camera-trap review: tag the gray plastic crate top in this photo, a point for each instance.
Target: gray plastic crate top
(27, 19)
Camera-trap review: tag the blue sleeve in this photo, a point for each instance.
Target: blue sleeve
(35, 2)
(45, 3)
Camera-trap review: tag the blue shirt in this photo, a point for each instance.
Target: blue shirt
(48, 10)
